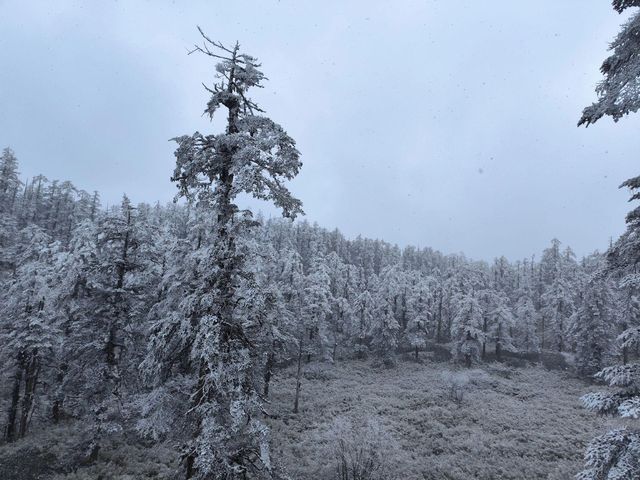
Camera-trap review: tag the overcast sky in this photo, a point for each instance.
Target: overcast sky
(433, 123)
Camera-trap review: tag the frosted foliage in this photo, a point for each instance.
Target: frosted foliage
(613, 456)
(620, 5)
(617, 453)
(630, 408)
(619, 91)
(630, 338)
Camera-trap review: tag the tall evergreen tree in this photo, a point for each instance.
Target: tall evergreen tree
(615, 454)
(254, 155)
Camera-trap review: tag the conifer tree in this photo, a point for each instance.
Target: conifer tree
(593, 327)
(30, 332)
(254, 155)
(385, 327)
(502, 323)
(9, 180)
(525, 324)
(618, 92)
(615, 454)
(420, 316)
(467, 332)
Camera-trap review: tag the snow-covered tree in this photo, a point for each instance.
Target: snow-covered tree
(9, 180)
(385, 328)
(419, 314)
(30, 327)
(364, 309)
(467, 328)
(619, 91)
(616, 454)
(593, 327)
(254, 155)
(526, 319)
(502, 323)
(316, 309)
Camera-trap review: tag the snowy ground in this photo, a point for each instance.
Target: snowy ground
(510, 424)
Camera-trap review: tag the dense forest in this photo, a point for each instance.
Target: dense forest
(168, 324)
(96, 306)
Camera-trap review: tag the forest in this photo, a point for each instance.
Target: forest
(201, 340)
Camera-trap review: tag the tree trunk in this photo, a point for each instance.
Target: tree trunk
(56, 409)
(10, 429)
(268, 372)
(467, 360)
(439, 324)
(28, 400)
(298, 379)
(310, 343)
(484, 338)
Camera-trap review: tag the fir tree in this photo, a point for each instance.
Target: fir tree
(254, 155)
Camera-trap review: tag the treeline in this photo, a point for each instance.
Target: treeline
(94, 305)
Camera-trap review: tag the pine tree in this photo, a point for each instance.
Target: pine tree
(502, 323)
(420, 314)
(362, 323)
(385, 327)
(525, 324)
(618, 91)
(9, 180)
(615, 455)
(30, 334)
(594, 327)
(254, 155)
(467, 331)
(317, 309)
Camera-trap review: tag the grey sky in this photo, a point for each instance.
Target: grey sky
(433, 123)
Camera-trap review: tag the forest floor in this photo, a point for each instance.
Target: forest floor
(416, 421)
(510, 423)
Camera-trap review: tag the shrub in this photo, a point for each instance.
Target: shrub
(361, 449)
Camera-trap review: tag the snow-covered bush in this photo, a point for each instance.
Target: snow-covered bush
(456, 383)
(360, 448)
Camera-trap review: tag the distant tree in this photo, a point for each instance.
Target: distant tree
(594, 325)
(526, 317)
(316, 309)
(9, 180)
(467, 328)
(502, 323)
(343, 288)
(364, 311)
(385, 328)
(557, 299)
(419, 314)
